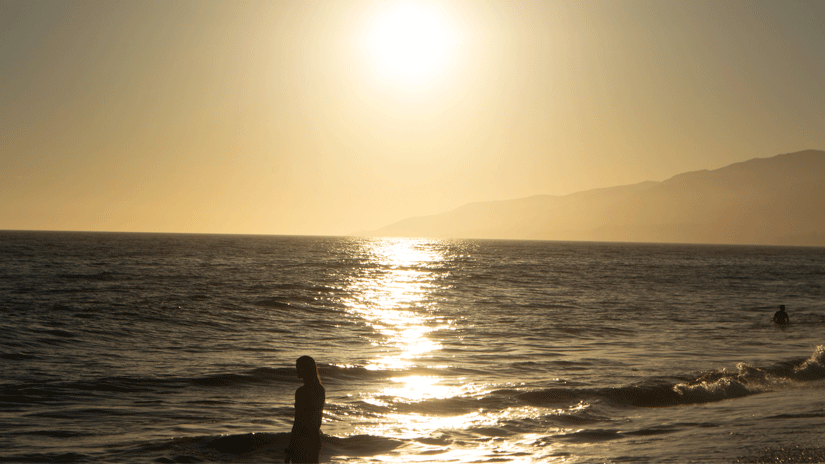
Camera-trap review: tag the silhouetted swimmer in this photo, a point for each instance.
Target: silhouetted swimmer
(781, 317)
(305, 441)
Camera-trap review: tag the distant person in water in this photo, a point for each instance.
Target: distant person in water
(781, 317)
(305, 440)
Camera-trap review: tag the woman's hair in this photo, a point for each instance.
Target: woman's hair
(306, 368)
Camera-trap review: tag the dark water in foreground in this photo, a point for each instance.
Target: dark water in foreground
(180, 348)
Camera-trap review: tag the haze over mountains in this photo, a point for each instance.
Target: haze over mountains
(766, 201)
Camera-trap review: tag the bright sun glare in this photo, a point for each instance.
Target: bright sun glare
(411, 39)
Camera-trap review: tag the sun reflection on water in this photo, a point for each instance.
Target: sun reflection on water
(394, 296)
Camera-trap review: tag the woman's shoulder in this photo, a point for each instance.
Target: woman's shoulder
(310, 390)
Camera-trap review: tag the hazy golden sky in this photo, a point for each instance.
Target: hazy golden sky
(324, 118)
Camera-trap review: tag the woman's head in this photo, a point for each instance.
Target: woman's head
(307, 369)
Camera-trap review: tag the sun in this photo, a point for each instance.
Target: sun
(410, 39)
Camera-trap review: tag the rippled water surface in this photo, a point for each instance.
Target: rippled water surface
(173, 348)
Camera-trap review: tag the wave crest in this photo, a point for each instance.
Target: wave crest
(711, 386)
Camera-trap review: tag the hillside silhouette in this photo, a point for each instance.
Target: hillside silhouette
(767, 201)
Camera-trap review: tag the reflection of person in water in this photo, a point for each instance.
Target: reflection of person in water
(305, 441)
(781, 317)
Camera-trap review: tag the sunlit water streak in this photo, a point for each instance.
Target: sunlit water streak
(128, 347)
(394, 298)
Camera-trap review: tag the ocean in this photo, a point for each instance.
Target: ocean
(168, 348)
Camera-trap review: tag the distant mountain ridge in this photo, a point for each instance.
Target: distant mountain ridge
(766, 201)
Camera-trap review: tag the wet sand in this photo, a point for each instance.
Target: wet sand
(786, 454)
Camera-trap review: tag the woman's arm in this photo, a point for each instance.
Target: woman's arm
(293, 436)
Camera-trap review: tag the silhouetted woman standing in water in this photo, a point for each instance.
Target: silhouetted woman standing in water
(305, 441)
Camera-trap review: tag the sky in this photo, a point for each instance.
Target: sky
(333, 117)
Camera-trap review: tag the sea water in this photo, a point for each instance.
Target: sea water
(181, 348)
